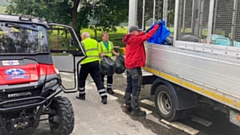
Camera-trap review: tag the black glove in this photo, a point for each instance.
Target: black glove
(159, 22)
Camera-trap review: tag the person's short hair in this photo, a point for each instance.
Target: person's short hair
(104, 33)
(86, 34)
(134, 28)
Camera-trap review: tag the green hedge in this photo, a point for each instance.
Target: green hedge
(115, 37)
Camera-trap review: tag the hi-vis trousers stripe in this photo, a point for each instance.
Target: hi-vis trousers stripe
(81, 90)
(109, 85)
(102, 92)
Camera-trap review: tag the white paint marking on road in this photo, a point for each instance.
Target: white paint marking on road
(124, 75)
(119, 92)
(146, 110)
(112, 97)
(66, 79)
(148, 102)
(64, 73)
(154, 119)
(181, 126)
(201, 121)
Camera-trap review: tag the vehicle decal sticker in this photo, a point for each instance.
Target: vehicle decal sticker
(10, 62)
(15, 73)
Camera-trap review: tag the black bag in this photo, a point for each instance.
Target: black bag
(119, 65)
(107, 66)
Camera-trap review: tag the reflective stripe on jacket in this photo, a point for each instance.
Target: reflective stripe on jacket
(91, 49)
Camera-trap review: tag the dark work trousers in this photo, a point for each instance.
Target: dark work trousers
(109, 81)
(94, 70)
(134, 82)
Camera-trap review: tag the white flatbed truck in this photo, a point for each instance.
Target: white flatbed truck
(188, 73)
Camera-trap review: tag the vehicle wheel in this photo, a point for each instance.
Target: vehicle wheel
(165, 104)
(61, 123)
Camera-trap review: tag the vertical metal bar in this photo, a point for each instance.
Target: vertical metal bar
(183, 17)
(180, 17)
(234, 21)
(176, 15)
(192, 19)
(143, 15)
(201, 20)
(154, 10)
(215, 16)
(166, 21)
(132, 13)
(197, 19)
(165, 11)
(210, 21)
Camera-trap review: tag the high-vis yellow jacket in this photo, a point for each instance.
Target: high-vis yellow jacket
(92, 50)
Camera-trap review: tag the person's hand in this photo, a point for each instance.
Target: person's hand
(148, 30)
(102, 54)
(159, 22)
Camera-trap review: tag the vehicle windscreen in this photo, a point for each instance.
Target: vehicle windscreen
(22, 38)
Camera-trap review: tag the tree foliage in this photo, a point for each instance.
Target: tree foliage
(107, 13)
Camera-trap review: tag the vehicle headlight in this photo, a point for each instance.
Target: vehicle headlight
(50, 83)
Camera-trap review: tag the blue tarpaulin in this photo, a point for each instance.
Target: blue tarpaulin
(162, 33)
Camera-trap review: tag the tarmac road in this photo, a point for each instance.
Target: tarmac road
(94, 118)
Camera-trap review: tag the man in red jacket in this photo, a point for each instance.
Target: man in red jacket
(134, 60)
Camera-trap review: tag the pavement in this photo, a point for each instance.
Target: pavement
(94, 118)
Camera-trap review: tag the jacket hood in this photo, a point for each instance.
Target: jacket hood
(127, 38)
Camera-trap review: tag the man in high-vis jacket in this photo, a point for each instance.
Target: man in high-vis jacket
(106, 48)
(91, 65)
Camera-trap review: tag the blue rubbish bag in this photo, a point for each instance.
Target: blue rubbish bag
(161, 34)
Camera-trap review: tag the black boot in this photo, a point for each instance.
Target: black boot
(104, 100)
(126, 108)
(81, 97)
(110, 91)
(138, 112)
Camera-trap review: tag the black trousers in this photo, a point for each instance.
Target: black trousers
(109, 81)
(134, 82)
(94, 70)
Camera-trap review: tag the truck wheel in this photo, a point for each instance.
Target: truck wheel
(61, 123)
(165, 104)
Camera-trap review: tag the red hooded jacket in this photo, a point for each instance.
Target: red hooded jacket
(135, 51)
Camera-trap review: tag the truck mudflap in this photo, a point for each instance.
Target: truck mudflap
(234, 117)
(40, 101)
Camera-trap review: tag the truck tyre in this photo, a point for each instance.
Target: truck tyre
(61, 123)
(165, 103)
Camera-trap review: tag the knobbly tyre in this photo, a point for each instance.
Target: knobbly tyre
(29, 81)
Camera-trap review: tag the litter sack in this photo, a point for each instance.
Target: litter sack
(119, 65)
(107, 66)
(161, 34)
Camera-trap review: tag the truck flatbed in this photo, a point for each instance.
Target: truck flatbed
(212, 75)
